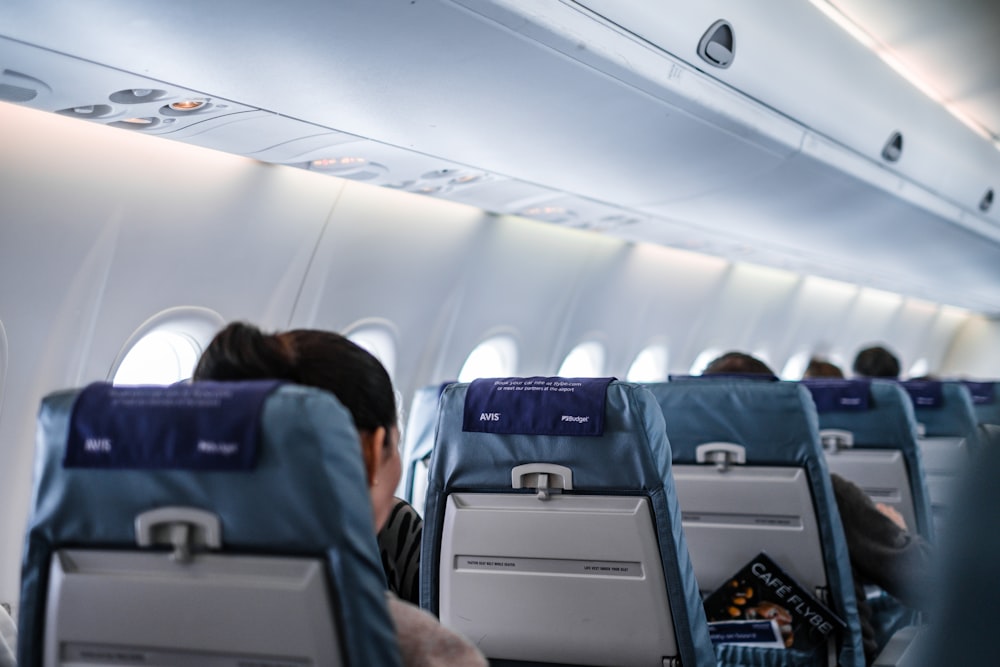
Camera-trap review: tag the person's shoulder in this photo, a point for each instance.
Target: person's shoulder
(844, 489)
(424, 642)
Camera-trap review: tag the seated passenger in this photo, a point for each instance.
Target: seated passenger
(882, 551)
(876, 362)
(329, 361)
(737, 363)
(819, 368)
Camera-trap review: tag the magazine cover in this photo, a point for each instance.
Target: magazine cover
(762, 590)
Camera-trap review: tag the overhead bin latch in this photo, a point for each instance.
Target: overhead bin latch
(835, 439)
(545, 477)
(183, 528)
(722, 454)
(717, 46)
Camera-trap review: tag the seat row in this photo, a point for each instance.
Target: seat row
(227, 523)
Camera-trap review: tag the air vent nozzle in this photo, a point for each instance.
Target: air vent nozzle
(718, 45)
(987, 201)
(893, 148)
(18, 88)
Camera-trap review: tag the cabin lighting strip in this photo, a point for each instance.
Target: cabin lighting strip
(833, 13)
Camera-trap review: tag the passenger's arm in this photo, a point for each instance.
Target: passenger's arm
(882, 552)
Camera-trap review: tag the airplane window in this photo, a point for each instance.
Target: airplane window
(160, 357)
(377, 339)
(494, 357)
(650, 365)
(584, 360)
(920, 368)
(166, 348)
(703, 360)
(795, 366)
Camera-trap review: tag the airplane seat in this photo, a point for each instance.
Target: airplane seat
(949, 433)
(869, 436)
(991, 435)
(552, 533)
(881, 454)
(944, 409)
(206, 523)
(985, 401)
(966, 594)
(751, 478)
(418, 444)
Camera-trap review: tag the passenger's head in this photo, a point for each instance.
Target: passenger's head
(876, 362)
(737, 363)
(325, 360)
(819, 368)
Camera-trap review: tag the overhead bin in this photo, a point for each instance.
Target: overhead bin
(812, 71)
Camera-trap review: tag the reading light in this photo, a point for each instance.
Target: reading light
(548, 213)
(338, 164)
(142, 92)
(84, 111)
(466, 179)
(188, 105)
(138, 121)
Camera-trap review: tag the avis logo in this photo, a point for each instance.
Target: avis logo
(97, 445)
(489, 416)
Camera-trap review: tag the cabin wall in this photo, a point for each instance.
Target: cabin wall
(102, 230)
(975, 350)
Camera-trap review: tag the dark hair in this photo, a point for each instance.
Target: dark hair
(310, 357)
(737, 363)
(819, 368)
(876, 362)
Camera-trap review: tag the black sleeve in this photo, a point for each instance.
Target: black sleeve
(884, 554)
(399, 547)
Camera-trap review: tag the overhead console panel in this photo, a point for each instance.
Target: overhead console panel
(594, 114)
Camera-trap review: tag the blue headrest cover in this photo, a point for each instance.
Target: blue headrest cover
(631, 457)
(536, 406)
(831, 395)
(777, 424)
(888, 423)
(307, 495)
(198, 426)
(983, 393)
(925, 394)
(954, 414)
(984, 401)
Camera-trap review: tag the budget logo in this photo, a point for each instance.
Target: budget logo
(574, 419)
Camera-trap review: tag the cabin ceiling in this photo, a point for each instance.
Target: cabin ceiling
(953, 44)
(595, 114)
